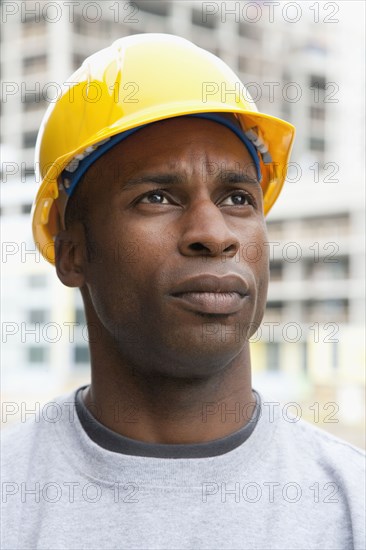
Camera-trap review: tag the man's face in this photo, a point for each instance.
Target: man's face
(175, 201)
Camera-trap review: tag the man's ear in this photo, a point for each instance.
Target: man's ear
(70, 259)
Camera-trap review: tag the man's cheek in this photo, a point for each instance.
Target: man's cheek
(126, 253)
(255, 254)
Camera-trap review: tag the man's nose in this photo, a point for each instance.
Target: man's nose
(205, 232)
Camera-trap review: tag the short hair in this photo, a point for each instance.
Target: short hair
(77, 210)
(77, 206)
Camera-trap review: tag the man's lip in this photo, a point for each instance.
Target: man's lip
(213, 294)
(207, 282)
(214, 303)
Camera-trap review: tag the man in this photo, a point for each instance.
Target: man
(152, 201)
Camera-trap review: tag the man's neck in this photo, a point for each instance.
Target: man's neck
(159, 409)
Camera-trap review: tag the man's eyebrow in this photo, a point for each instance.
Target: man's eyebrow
(175, 178)
(162, 179)
(236, 176)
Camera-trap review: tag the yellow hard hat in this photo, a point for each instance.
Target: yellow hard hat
(138, 80)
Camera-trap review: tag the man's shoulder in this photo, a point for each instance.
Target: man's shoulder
(312, 443)
(320, 441)
(35, 431)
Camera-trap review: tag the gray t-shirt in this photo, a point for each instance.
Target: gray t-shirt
(112, 441)
(278, 483)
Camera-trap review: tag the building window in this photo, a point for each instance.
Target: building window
(276, 305)
(35, 64)
(32, 16)
(286, 109)
(276, 270)
(81, 355)
(341, 268)
(26, 208)
(80, 316)
(37, 354)
(79, 24)
(317, 112)
(34, 105)
(38, 316)
(304, 356)
(327, 311)
(155, 7)
(330, 228)
(29, 139)
(335, 355)
(322, 270)
(273, 356)
(32, 101)
(37, 280)
(243, 64)
(31, 96)
(274, 311)
(317, 144)
(249, 30)
(105, 27)
(203, 20)
(318, 82)
(33, 25)
(78, 60)
(28, 172)
(275, 230)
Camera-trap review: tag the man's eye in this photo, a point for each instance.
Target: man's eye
(154, 197)
(237, 199)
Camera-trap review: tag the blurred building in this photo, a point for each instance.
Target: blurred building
(296, 64)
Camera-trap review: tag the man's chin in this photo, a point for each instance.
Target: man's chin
(194, 362)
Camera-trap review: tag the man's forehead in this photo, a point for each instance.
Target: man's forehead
(214, 173)
(179, 145)
(215, 164)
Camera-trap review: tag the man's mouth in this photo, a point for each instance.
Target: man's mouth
(212, 302)
(211, 294)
